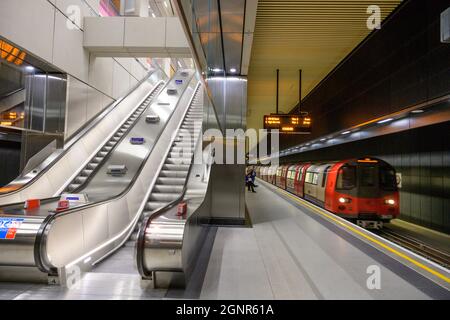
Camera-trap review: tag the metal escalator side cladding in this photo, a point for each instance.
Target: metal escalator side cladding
(163, 230)
(52, 240)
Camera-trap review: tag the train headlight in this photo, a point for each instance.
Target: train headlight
(390, 202)
(344, 200)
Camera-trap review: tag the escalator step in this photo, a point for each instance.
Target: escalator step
(164, 197)
(97, 160)
(86, 172)
(167, 188)
(92, 166)
(178, 161)
(72, 187)
(80, 180)
(152, 206)
(171, 181)
(173, 174)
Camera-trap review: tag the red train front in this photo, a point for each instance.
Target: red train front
(362, 190)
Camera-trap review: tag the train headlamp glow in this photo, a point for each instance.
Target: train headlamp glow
(389, 201)
(344, 200)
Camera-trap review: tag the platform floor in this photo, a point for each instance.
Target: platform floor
(292, 253)
(289, 253)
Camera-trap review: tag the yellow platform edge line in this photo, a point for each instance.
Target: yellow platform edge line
(371, 239)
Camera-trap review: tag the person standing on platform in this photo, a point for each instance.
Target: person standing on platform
(254, 177)
(249, 182)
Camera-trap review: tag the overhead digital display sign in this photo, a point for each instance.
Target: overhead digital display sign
(288, 123)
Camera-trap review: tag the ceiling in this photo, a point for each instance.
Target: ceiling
(312, 35)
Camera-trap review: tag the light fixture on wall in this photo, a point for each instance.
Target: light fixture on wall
(385, 121)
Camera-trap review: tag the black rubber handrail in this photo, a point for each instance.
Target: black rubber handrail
(38, 244)
(81, 133)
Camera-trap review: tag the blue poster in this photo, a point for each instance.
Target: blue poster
(9, 226)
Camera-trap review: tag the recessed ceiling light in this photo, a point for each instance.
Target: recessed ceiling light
(217, 70)
(385, 120)
(345, 132)
(418, 111)
(233, 70)
(29, 68)
(323, 139)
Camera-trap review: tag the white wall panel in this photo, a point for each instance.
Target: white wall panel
(94, 103)
(29, 24)
(121, 81)
(68, 51)
(76, 107)
(101, 74)
(137, 31)
(104, 32)
(66, 5)
(39, 27)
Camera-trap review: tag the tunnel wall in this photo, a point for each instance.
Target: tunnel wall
(401, 65)
(422, 156)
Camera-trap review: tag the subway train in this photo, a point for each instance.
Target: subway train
(361, 190)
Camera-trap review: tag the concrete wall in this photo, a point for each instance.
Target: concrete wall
(401, 65)
(43, 28)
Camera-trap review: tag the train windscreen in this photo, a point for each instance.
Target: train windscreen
(368, 176)
(346, 178)
(388, 179)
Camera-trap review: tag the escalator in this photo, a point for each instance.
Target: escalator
(172, 177)
(175, 229)
(169, 183)
(48, 176)
(108, 147)
(48, 242)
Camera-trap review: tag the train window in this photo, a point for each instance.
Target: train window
(309, 177)
(325, 174)
(346, 178)
(315, 178)
(291, 174)
(368, 176)
(388, 179)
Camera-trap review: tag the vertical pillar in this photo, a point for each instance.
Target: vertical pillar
(141, 8)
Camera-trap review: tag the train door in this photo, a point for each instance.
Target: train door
(290, 178)
(311, 182)
(284, 176)
(300, 180)
(368, 188)
(321, 183)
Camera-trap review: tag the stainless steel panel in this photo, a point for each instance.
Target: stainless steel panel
(56, 103)
(35, 101)
(236, 103)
